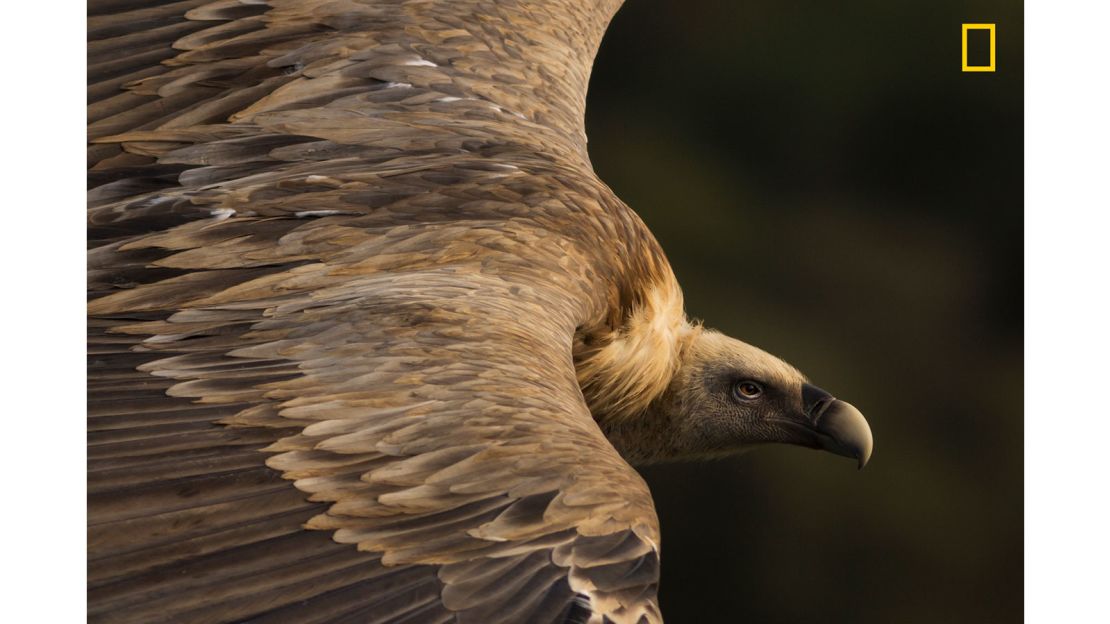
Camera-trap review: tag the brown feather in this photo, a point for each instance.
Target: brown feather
(343, 259)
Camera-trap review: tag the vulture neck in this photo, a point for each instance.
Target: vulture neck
(622, 371)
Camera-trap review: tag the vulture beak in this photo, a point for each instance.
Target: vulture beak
(839, 427)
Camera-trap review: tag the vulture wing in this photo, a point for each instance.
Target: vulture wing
(338, 254)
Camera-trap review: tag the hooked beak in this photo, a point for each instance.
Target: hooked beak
(839, 427)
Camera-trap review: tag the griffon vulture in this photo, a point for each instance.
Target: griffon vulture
(369, 341)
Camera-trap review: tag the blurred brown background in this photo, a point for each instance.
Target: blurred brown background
(831, 187)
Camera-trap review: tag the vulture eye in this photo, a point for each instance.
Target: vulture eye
(747, 390)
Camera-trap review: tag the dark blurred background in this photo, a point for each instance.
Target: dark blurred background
(831, 187)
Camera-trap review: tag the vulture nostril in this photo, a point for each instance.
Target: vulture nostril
(815, 400)
(819, 408)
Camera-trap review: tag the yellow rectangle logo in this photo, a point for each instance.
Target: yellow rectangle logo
(978, 68)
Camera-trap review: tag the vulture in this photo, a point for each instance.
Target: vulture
(368, 339)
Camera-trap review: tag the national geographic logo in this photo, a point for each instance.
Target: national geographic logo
(978, 47)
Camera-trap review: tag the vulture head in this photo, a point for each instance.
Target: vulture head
(713, 396)
(728, 395)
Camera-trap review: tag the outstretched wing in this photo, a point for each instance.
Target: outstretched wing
(431, 419)
(339, 252)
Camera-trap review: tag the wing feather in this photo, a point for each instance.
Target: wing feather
(338, 255)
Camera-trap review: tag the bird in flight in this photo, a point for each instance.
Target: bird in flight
(369, 341)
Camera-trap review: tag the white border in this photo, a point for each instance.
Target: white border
(1067, 281)
(42, 312)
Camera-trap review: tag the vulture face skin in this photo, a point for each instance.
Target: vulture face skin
(728, 396)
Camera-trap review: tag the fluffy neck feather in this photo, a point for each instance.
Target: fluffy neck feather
(622, 371)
